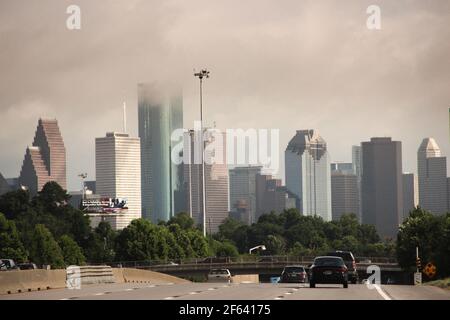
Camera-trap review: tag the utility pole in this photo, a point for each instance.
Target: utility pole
(202, 74)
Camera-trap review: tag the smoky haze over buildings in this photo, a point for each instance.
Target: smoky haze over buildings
(303, 64)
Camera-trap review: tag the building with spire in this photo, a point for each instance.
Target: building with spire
(432, 174)
(307, 168)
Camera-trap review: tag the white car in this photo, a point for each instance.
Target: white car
(219, 275)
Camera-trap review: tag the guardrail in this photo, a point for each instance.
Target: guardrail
(239, 260)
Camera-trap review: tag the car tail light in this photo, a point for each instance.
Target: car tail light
(342, 269)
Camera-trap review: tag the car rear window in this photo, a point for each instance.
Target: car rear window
(294, 269)
(219, 272)
(328, 262)
(344, 255)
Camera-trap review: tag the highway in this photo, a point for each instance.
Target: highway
(243, 291)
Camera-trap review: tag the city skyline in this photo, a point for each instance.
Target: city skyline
(337, 76)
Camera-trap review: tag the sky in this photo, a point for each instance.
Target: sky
(287, 65)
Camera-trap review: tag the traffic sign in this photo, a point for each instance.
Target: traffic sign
(417, 278)
(430, 270)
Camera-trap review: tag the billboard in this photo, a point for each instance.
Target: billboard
(104, 205)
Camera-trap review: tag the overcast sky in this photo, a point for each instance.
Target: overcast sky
(274, 64)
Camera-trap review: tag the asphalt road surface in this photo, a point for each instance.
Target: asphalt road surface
(224, 291)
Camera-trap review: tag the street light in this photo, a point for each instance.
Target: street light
(83, 176)
(202, 74)
(262, 247)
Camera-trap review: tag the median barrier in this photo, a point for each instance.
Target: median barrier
(144, 276)
(18, 281)
(245, 278)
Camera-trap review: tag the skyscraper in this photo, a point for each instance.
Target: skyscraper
(432, 172)
(308, 173)
(4, 186)
(344, 193)
(271, 195)
(243, 189)
(160, 111)
(216, 178)
(382, 185)
(118, 174)
(45, 160)
(410, 193)
(357, 170)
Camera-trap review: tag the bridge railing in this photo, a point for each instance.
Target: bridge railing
(288, 259)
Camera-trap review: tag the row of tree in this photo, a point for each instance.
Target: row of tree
(292, 233)
(45, 229)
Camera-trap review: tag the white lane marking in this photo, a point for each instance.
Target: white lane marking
(131, 289)
(211, 289)
(381, 292)
(278, 298)
(288, 293)
(294, 289)
(168, 298)
(194, 292)
(64, 299)
(151, 286)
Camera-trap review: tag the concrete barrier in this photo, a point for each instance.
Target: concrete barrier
(96, 274)
(18, 281)
(245, 278)
(144, 276)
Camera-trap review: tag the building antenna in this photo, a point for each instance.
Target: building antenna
(124, 117)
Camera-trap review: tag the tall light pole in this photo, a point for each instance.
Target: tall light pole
(83, 176)
(202, 74)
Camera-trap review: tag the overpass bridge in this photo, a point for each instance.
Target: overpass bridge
(265, 266)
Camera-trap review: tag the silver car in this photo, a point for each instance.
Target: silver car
(219, 275)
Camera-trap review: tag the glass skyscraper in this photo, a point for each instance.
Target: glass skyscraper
(160, 112)
(308, 173)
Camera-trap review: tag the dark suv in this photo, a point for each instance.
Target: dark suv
(294, 274)
(350, 262)
(328, 269)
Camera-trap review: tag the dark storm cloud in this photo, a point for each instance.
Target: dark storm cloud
(274, 64)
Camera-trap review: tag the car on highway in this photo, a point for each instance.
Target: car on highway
(27, 266)
(219, 275)
(296, 274)
(328, 270)
(350, 262)
(7, 264)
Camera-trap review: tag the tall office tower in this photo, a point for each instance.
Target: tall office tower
(308, 173)
(432, 172)
(357, 170)
(216, 178)
(118, 174)
(271, 195)
(160, 111)
(243, 189)
(45, 160)
(382, 185)
(343, 167)
(344, 193)
(4, 186)
(410, 193)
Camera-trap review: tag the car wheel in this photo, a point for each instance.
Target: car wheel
(312, 285)
(346, 285)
